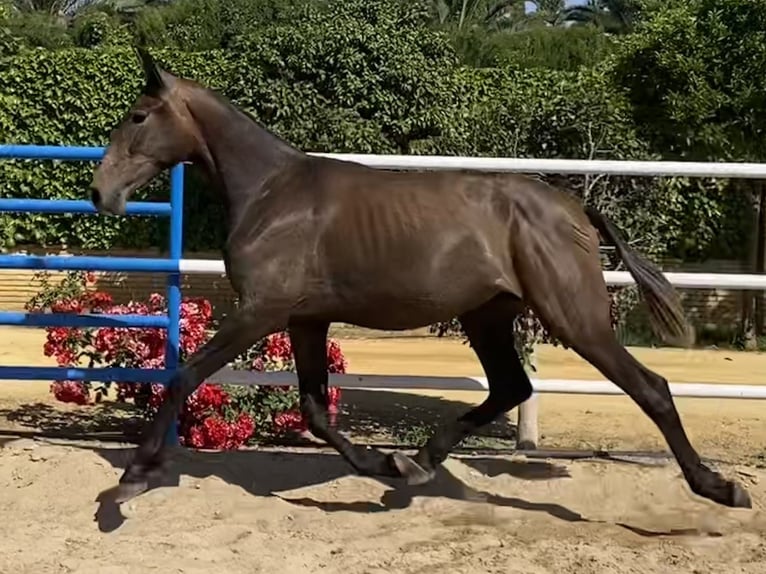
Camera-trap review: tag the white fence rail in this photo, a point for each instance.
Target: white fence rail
(570, 166)
(528, 411)
(686, 280)
(553, 386)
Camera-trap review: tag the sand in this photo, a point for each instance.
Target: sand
(302, 510)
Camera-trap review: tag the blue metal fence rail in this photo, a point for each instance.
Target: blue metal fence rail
(169, 266)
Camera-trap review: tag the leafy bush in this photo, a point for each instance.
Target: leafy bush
(39, 29)
(9, 44)
(361, 76)
(689, 71)
(214, 416)
(95, 28)
(368, 77)
(195, 25)
(554, 48)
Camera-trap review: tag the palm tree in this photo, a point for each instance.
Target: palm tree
(459, 11)
(499, 14)
(488, 14)
(613, 16)
(53, 7)
(550, 12)
(514, 13)
(70, 8)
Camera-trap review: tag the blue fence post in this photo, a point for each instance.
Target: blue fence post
(170, 266)
(172, 349)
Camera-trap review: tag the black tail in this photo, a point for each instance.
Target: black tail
(665, 310)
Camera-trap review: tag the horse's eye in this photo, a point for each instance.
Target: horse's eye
(139, 117)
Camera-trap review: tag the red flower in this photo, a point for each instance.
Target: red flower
(210, 418)
(291, 420)
(215, 432)
(333, 396)
(207, 399)
(159, 392)
(244, 427)
(67, 306)
(278, 346)
(71, 392)
(98, 301)
(336, 362)
(195, 437)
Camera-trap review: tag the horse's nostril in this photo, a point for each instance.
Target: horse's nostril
(95, 196)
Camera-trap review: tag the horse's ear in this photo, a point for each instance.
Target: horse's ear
(155, 82)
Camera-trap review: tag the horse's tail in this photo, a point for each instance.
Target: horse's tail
(665, 310)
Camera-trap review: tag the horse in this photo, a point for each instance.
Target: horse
(312, 240)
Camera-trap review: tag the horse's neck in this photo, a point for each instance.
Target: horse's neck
(240, 155)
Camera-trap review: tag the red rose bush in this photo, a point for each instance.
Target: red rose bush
(214, 416)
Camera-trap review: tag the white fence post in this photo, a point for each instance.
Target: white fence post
(526, 423)
(526, 429)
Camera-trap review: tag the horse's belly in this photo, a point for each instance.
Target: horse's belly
(407, 302)
(395, 315)
(419, 275)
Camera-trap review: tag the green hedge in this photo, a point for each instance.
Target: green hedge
(357, 76)
(74, 97)
(390, 105)
(361, 76)
(554, 48)
(198, 25)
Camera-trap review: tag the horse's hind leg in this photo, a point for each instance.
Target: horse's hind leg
(652, 393)
(490, 333)
(309, 343)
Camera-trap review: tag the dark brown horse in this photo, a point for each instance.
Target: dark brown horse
(314, 240)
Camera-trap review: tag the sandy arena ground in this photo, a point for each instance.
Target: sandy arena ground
(296, 511)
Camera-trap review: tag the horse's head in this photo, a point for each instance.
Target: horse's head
(155, 134)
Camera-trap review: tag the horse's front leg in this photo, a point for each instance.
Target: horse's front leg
(236, 334)
(309, 344)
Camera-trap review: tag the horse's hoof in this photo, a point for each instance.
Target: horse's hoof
(126, 491)
(739, 497)
(411, 470)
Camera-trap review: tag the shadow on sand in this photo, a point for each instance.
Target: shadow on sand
(367, 415)
(104, 421)
(269, 473)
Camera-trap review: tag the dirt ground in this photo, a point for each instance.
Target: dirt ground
(734, 430)
(299, 510)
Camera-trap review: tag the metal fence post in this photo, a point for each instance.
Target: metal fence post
(172, 349)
